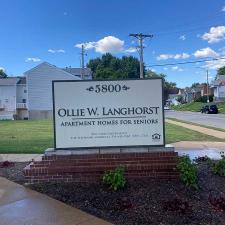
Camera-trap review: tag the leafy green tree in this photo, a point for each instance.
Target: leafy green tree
(108, 74)
(221, 71)
(93, 64)
(195, 85)
(2, 74)
(111, 67)
(168, 86)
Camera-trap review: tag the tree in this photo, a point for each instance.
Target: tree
(111, 67)
(169, 87)
(221, 71)
(2, 74)
(195, 85)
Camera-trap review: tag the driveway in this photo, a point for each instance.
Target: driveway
(213, 120)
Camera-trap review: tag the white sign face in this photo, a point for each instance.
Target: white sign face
(108, 113)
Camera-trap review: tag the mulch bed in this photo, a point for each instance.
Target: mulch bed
(142, 202)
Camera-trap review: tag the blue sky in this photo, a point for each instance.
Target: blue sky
(51, 30)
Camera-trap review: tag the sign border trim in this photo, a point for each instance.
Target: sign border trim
(99, 147)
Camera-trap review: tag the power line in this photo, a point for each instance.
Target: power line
(186, 62)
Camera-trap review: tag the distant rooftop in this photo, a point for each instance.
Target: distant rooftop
(78, 71)
(9, 81)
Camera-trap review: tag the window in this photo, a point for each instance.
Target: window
(24, 91)
(6, 100)
(24, 100)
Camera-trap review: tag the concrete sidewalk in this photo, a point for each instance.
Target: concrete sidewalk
(178, 146)
(22, 206)
(199, 145)
(20, 157)
(208, 131)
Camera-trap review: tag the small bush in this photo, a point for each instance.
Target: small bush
(204, 99)
(115, 178)
(188, 172)
(218, 167)
(222, 154)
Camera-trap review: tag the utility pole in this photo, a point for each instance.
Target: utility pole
(207, 82)
(140, 38)
(207, 74)
(82, 62)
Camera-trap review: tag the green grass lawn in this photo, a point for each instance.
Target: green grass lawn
(36, 136)
(196, 106)
(192, 106)
(196, 124)
(25, 136)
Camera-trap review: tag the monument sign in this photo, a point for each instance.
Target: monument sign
(114, 113)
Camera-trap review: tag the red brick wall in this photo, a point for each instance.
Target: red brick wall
(90, 168)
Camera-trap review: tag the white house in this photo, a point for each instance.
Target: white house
(13, 98)
(39, 88)
(218, 86)
(30, 97)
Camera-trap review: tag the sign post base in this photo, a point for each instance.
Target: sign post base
(89, 165)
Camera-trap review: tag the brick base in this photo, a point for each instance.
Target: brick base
(90, 168)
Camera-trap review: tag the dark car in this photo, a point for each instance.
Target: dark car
(209, 109)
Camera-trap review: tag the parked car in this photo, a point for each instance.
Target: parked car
(209, 109)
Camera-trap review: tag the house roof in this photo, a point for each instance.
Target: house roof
(53, 66)
(9, 81)
(219, 81)
(78, 71)
(221, 77)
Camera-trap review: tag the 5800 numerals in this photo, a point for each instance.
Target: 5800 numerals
(104, 88)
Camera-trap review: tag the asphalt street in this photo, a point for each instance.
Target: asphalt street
(213, 120)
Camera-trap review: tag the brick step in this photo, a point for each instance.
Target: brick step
(166, 158)
(110, 156)
(94, 163)
(96, 178)
(102, 168)
(90, 168)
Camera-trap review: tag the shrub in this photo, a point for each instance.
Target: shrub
(115, 178)
(218, 167)
(204, 99)
(222, 154)
(188, 171)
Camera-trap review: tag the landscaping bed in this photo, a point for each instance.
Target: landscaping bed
(142, 201)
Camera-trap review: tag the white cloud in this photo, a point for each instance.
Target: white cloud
(164, 57)
(215, 34)
(223, 9)
(215, 64)
(182, 37)
(56, 50)
(131, 50)
(205, 52)
(176, 68)
(2, 68)
(165, 68)
(109, 44)
(171, 56)
(34, 59)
